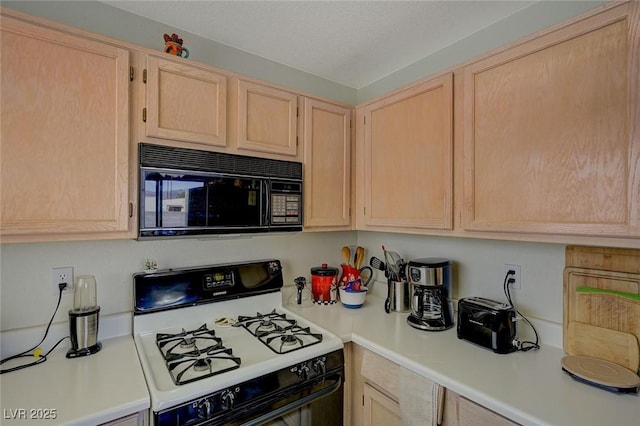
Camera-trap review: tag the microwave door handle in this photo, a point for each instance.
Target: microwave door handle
(158, 206)
(266, 219)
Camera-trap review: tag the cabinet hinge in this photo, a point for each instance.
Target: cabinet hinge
(364, 211)
(363, 400)
(144, 76)
(144, 115)
(349, 123)
(297, 143)
(130, 73)
(130, 209)
(349, 211)
(297, 111)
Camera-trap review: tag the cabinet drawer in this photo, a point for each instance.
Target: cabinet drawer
(472, 414)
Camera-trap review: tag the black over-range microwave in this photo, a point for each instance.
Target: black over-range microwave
(188, 192)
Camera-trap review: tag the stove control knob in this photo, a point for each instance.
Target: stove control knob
(319, 365)
(205, 408)
(302, 371)
(227, 398)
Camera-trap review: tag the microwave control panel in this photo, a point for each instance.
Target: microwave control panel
(286, 209)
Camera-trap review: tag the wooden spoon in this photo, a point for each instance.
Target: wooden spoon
(346, 255)
(359, 257)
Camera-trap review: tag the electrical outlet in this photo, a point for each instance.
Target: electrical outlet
(62, 275)
(517, 277)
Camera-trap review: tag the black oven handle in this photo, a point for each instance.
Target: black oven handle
(326, 390)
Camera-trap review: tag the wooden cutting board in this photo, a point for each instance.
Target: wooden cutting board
(604, 343)
(603, 258)
(600, 310)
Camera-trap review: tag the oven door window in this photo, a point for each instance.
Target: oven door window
(174, 200)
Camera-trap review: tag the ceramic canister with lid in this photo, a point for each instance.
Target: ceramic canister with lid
(324, 284)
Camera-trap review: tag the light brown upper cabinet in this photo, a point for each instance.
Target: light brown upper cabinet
(407, 157)
(266, 119)
(185, 102)
(552, 134)
(65, 135)
(327, 164)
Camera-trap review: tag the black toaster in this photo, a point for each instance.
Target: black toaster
(488, 323)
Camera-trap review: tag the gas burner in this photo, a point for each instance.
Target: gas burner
(289, 340)
(265, 323)
(279, 333)
(195, 354)
(188, 343)
(206, 364)
(185, 337)
(203, 364)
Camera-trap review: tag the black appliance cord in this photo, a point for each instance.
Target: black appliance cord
(525, 345)
(30, 352)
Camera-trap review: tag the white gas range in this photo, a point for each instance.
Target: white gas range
(217, 347)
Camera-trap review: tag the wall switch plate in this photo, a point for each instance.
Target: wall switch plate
(517, 285)
(62, 275)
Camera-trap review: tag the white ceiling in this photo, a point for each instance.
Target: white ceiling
(353, 43)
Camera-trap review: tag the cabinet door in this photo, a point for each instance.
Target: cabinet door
(185, 102)
(379, 409)
(327, 164)
(408, 157)
(552, 142)
(266, 119)
(65, 132)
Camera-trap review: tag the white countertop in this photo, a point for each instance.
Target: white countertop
(89, 390)
(528, 387)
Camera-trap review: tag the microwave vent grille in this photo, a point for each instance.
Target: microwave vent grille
(216, 162)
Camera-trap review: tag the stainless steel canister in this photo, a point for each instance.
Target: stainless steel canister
(400, 296)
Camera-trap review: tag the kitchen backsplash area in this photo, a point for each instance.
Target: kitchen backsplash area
(28, 297)
(478, 270)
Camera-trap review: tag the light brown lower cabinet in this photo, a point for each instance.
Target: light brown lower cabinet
(140, 418)
(375, 386)
(379, 409)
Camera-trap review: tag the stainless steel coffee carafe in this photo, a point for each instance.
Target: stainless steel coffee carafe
(83, 318)
(430, 285)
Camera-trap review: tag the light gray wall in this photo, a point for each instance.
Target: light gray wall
(27, 294)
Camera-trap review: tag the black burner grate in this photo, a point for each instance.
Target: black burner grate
(278, 333)
(194, 355)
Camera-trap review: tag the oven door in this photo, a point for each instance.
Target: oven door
(175, 202)
(313, 402)
(322, 405)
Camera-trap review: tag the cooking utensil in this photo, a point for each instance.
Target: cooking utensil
(359, 257)
(601, 373)
(604, 343)
(393, 260)
(378, 264)
(387, 301)
(346, 255)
